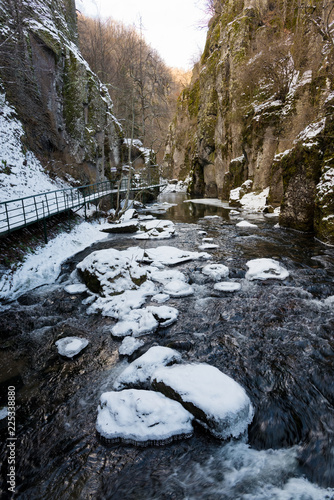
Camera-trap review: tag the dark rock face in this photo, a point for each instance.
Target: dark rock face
(65, 110)
(233, 123)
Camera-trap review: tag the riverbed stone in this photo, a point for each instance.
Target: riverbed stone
(217, 402)
(141, 417)
(138, 374)
(122, 227)
(111, 272)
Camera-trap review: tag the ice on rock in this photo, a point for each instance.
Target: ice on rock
(171, 256)
(264, 269)
(141, 417)
(178, 288)
(216, 271)
(129, 346)
(227, 286)
(76, 288)
(245, 223)
(217, 401)
(71, 346)
(140, 371)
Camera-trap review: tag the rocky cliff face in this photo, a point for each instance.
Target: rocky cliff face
(66, 112)
(260, 107)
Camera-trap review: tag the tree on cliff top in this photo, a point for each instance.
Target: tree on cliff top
(141, 86)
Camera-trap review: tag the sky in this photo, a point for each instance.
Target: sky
(172, 28)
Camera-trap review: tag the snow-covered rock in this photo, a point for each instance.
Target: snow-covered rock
(140, 371)
(208, 246)
(164, 314)
(264, 269)
(216, 271)
(110, 272)
(160, 298)
(171, 256)
(246, 224)
(76, 288)
(166, 276)
(227, 286)
(156, 230)
(129, 226)
(3, 413)
(71, 346)
(139, 322)
(118, 306)
(141, 417)
(178, 288)
(218, 402)
(129, 215)
(129, 346)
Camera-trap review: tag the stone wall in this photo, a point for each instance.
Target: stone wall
(66, 111)
(265, 76)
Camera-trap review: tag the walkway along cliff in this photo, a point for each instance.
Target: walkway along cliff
(260, 107)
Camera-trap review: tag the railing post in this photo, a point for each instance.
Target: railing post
(7, 217)
(44, 224)
(36, 208)
(24, 214)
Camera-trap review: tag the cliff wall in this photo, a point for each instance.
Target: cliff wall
(65, 110)
(260, 107)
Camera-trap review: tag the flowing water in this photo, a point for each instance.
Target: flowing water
(275, 338)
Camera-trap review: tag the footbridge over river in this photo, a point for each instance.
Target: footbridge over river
(22, 212)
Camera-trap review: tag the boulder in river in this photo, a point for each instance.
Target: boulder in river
(140, 371)
(217, 402)
(264, 269)
(110, 272)
(142, 417)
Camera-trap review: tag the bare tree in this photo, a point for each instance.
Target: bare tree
(138, 80)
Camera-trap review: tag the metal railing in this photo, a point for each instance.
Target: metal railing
(19, 213)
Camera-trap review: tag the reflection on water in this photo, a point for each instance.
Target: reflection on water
(189, 212)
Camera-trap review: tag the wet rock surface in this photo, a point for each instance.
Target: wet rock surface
(275, 338)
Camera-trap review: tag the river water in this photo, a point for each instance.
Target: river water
(273, 337)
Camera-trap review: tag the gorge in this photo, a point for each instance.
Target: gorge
(243, 286)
